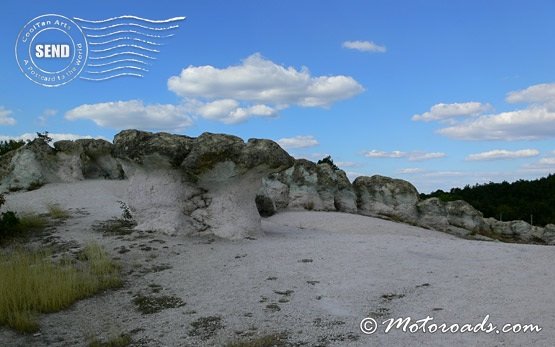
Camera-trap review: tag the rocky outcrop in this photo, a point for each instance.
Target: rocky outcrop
(38, 163)
(381, 196)
(307, 185)
(208, 184)
(218, 184)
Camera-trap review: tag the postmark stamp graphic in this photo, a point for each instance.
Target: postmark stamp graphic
(51, 50)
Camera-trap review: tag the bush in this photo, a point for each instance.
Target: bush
(328, 160)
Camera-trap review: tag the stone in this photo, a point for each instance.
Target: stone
(381, 196)
(203, 185)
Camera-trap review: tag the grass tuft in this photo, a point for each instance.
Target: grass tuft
(33, 283)
(56, 212)
(274, 340)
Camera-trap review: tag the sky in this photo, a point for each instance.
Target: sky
(439, 93)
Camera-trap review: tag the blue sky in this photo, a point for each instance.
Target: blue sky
(440, 93)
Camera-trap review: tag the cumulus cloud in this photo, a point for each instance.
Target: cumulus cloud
(538, 94)
(133, 114)
(5, 118)
(55, 137)
(533, 122)
(527, 124)
(443, 111)
(257, 87)
(364, 46)
(497, 154)
(412, 156)
(298, 142)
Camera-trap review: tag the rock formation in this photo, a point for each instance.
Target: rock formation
(38, 163)
(309, 186)
(218, 184)
(208, 184)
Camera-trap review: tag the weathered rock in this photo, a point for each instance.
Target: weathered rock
(432, 213)
(462, 215)
(37, 163)
(521, 231)
(208, 184)
(310, 186)
(386, 197)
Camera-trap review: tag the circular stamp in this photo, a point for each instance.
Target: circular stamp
(51, 50)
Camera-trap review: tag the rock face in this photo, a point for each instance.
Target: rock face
(381, 196)
(309, 186)
(37, 163)
(197, 185)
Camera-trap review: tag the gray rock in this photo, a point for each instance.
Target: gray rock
(386, 197)
(462, 215)
(208, 184)
(310, 186)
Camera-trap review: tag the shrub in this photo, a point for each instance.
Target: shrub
(328, 160)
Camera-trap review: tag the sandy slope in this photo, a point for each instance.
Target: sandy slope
(325, 272)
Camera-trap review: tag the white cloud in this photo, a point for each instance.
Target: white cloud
(55, 137)
(537, 94)
(447, 111)
(411, 170)
(257, 87)
(536, 121)
(364, 46)
(497, 154)
(412, 156)
(133, 114)
(527, 124)
(298, 142)
(5, 118)
(547, 161)
(347, 164)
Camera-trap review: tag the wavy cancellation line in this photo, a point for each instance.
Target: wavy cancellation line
(127, 60)
(122, 46)
(126, 38)
(130, 74)
(131, 24)
(175, 19)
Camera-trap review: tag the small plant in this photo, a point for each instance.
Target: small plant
(56, 212)
(44, 136)
(328, 160)
(125, 211)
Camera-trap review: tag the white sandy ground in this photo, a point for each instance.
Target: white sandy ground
(356, 260)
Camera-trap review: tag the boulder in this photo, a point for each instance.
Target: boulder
(310, 186)
(462, 215)
(38, 163)
(386, 197)
(208, 184)
(432, 213)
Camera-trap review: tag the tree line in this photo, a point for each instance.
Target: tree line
(532, 201)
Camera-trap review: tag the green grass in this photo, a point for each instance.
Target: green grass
(33, 283)
(56, 212)
(22, 226)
